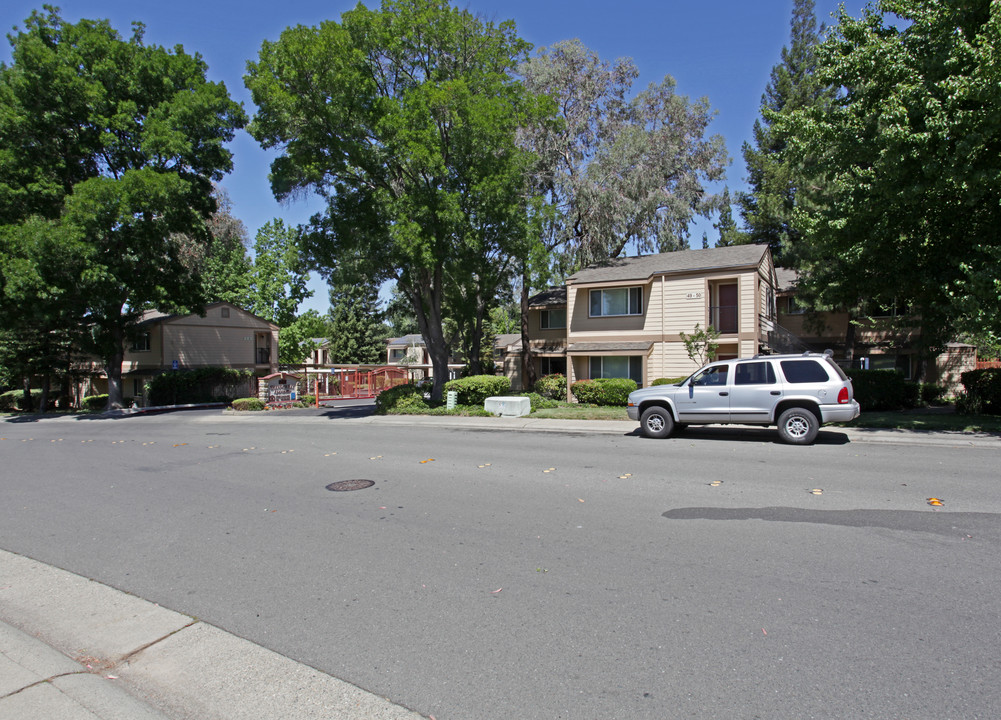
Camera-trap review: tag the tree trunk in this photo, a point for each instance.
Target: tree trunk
(527, 370)
(113, 367)
(27, 403)
(426, 300)
(850, 339)
(43, 402)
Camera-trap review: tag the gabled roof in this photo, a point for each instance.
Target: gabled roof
(785, 279)
(681, 261)
(553, 297)
(154, 316)
(408, 340)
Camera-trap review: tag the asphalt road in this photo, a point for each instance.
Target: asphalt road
(520, 575)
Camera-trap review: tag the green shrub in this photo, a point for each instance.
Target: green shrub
(94, 403)
(932, 393)
(203, 385)
(401, 397)
(540, 402)
(667, 381)
(248, 404)
(883, 389)
(12, 400)
(553, 387)
(603, 391)
(307, 400)
(473, 390)
(983, 391)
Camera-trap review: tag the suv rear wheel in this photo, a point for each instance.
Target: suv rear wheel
(656, 422)
(798, 426)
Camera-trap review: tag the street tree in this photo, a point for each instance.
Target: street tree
(772, 176)
(119, 142)
(908, 206)
(403, 120)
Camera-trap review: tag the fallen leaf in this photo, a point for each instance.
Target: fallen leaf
(935, 501)
(580, 500)
(494, 592)
(816, 491)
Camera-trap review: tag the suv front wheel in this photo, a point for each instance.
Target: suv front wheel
(657, 422)
(798, 426)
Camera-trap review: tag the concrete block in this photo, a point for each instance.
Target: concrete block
(508, 406)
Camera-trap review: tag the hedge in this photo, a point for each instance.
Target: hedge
(553, 387)
(668, 381)
(95, 402)
(473, 390)
(603, 391)
(248, 403)
(408, 395)
(14, 400)
(983, 391)
(204, 385)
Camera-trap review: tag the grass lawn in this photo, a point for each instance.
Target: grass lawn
(928, 419)
(582, 412)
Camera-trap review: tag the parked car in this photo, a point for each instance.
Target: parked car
(797, 393)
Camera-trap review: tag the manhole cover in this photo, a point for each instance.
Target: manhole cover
(345, 485)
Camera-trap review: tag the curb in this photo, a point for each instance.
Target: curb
(121, 657)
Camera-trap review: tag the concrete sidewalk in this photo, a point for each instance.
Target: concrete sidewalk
(74, 649)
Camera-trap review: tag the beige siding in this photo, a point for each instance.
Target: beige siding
(681, 312)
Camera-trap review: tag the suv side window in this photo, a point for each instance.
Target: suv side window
(804, 371)
(754, 373)
(715, 375)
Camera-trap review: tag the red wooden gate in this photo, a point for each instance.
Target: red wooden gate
(357, 383)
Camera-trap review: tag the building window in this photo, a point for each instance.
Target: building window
(723, 311)
(141, 343)
(397, 354)
(553, 319)
(137, 387)
(621, 366)
(552, 366)
(617, 301)
(225, 312)
(793, 307)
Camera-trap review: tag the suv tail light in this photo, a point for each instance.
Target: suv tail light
(843, 396)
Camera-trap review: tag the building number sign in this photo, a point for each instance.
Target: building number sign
(694, 296)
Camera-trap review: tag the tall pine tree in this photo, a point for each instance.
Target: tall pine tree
(357, 334)
(767, 209)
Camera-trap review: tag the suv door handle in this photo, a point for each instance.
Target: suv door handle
(776, 392)
(723, 394)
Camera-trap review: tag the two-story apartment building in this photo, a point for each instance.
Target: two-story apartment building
(226, 336)
(624, 318)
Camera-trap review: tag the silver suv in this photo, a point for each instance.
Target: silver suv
(798, 393)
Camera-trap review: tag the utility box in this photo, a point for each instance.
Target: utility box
(508, 406)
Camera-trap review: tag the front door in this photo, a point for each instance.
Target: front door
(706, 397)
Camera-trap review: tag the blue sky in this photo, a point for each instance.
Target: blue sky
(720, 49)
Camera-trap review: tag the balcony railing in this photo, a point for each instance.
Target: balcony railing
(263, 356)
(723, 318)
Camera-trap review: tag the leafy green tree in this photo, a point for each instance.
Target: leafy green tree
(119, 143)
(910, 157)
(279, 277)
(403, 119)
(297, 339)
(767, 208)
(702, 344)
(226, 267)
(356, 331)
